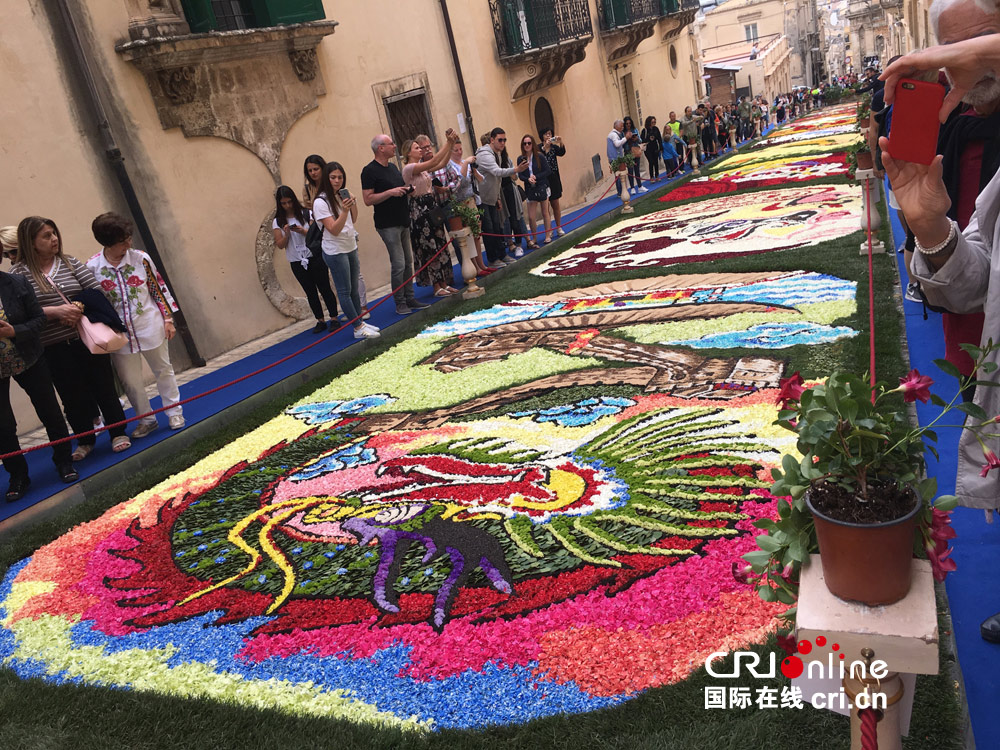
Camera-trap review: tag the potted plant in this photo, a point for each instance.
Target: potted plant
(622, 163)
(859, 481)
(859, 156)
(463, 215)
(864, 112)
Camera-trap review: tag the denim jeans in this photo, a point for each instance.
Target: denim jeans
(346, 269)
(397, 242)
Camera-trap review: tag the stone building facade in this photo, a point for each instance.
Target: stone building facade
(186, 116)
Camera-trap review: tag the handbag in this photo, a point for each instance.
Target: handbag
(437, 217)
(99, 338)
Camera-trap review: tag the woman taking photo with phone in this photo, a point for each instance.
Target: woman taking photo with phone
(290, 226)
(426, 231)
(312, 171)
(552, 149)
(80, 378)
(536, 188)
(336, 209)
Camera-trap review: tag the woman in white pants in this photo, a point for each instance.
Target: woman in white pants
(135, 288)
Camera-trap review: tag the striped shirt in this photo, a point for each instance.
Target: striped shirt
(71, 276)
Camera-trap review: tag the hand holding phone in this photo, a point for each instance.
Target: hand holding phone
(344, 194)
(913, 134)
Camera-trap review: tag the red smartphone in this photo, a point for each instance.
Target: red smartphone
(913, 134)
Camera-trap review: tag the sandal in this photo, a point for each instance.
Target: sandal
(442, 292)
(532, 245)
(120, 443)
(82, 451)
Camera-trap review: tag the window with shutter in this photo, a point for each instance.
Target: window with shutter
(229, 15)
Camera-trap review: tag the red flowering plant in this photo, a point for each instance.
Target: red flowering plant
(858, 437)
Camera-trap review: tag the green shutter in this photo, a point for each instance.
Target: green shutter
(275, 12)
(199, 15)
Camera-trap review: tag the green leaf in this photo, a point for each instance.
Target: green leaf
(989, 367)
(946, 503)
(937, 400)
(948, 368)
(767, 543)
(758, 558)
(973, 410)
(785, 597)
(767, 594)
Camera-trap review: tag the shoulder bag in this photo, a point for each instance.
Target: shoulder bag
(99, 338)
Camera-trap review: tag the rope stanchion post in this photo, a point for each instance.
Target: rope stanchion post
(875, 707)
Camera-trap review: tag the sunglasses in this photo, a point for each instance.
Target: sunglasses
(501, 140)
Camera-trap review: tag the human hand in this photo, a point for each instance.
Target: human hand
(966, 63)
(400, 192)
(521, 166)
(531, 180)
(349, 203)
(6, 330)
(169, 330)
(469, 159)
(921, 195)
(451, 135)
(69, 315)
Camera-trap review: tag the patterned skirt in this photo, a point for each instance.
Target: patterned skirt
(427, 240)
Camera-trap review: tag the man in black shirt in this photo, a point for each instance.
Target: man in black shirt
(382, 186)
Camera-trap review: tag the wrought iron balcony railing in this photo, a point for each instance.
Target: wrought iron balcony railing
(669, 6)
(690, 4)
(522, 26)
(616, 14)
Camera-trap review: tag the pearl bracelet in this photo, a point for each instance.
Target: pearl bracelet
(934, 250)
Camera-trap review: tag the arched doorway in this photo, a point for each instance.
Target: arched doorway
(543, 115)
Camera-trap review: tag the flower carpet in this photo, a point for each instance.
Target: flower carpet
(530, 508)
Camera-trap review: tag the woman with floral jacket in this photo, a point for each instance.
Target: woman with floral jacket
(135, 288)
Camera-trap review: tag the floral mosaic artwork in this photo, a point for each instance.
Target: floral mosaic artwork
(831, 139)
(761, 174)
(542, 520)
(528, 509)
(743, 224)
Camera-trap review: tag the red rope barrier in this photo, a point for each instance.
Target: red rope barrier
(218, 388)
(869, 728)
(871, 294)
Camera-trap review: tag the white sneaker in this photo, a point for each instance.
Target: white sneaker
(364, 332)
(370, 327)
(518, 253)
(642, 189)
(508, 260)
(497, 265)
(176, 422)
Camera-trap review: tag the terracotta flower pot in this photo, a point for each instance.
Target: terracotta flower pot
(867, 563)
(865, 160)
(455, 223)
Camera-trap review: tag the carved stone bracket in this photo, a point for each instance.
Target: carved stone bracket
(304, 63)
(623, 42)
(540, 69)
(675, 23)
(248, 86)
